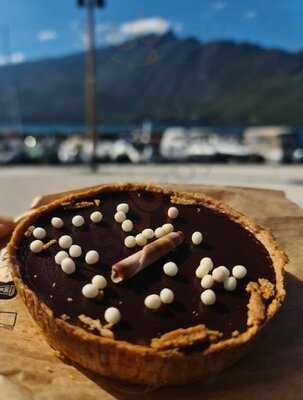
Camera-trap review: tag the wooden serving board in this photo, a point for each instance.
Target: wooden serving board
(31, 370)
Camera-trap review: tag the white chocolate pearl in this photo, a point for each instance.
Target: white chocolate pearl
(148, 233)
(90, 291)
(130, 241)
(78, 221)
(208, 297)
(207, 262)
(120, 217)
(167, 296)
(170, 268)
(99, 282)
(173, 212)
(152, 301)
(197, 238)
(127, 225)
(39, 233)
(230, 283)
(57, 222)
(204, 268)
(207, 281)
(159, 232)
(60, 256)
(36, 246)
(96, 217)
(112, 315)
(92, 257)
(124, 207)
(201, 271)
(75, 251)
(65, 241)
(68, 265)
(220, 274)
(239, 271)
(140, 240)
(168, 228)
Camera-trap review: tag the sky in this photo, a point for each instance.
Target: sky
(50, 28)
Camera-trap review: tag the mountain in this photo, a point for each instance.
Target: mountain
(166, 79)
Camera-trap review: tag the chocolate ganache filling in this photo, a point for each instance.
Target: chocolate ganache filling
(226, 242)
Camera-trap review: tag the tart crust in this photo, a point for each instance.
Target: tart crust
(164, 361)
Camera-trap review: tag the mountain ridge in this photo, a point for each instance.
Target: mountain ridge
(163, 78)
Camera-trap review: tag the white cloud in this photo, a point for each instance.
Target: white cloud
(44, 36)
(219, 5)
(114, 34)
(250, 14)
(144, 26)
(15, 58)
(139, 27)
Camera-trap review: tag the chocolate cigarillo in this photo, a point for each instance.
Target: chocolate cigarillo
(130, 266)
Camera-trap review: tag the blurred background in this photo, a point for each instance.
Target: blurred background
(196, 91)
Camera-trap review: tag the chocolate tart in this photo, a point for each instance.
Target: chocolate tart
(178, 343)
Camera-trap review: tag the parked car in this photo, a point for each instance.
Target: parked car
(297, 156)
(79, 150)
(274, 143)
(69, 150)
(11, 151)
(198, 145)
(41, 149)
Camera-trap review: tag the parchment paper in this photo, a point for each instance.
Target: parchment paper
(30, 369)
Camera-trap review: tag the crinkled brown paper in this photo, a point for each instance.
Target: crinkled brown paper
(31, 370)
